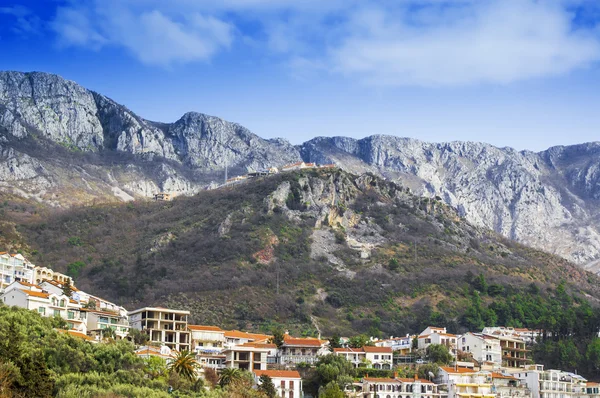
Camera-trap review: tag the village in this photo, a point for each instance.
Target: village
(492, 363)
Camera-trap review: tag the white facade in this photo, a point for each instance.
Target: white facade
(551, 383)
(14, 267)
(373, 387)
(34, 298)
(485, 349)
(373, 357)
(437, 337)
(401, 344)
(288, 383)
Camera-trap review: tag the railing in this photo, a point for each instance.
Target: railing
(310, 359)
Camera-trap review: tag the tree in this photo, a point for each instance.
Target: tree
(229, 376)
(211, 376)
(155, 367)
(334, 341)
(184, 365)
(108, 333)
(138, 337)
(331, 390)
(359, 341)
(265, 384)
(91, 304)
(438, 353)
(278, 336)
(67, 289)
(592, 354)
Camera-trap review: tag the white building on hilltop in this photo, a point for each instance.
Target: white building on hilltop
(485, 349)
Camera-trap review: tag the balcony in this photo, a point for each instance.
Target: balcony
(296, 359)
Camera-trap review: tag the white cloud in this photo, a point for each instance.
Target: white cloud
(26, 23)
(155, 37)
(379, 42)
(480, 42)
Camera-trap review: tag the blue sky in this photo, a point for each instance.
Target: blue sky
(519, 73)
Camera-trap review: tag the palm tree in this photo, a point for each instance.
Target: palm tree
(229, 375)
(185, 365)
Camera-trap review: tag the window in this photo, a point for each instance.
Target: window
(376, 357)
(42, 310)
(70, 325)
(62, 302)
(70, 315)
(56, 312)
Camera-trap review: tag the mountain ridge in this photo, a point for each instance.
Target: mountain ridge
(545, 199)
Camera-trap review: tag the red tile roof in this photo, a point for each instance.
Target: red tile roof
(282, 374)
(205, 328)
(308, 341)
(236, 334)
(452, 370)
(387, 350)
(35, 294)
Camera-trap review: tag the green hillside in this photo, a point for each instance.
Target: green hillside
(314, 249)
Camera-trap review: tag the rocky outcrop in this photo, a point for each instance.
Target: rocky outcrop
(548, 200)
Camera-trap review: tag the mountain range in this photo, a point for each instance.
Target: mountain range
(62, 145)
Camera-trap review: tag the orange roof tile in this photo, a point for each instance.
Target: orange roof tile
(309, 341)
(259, 345)
(205, 328)
(35, 294)
(24, 283)
(452, 370)
(496, 375)
(382, 379)
(287, 374)
(377, 349)
(76, 334)
(236, 334)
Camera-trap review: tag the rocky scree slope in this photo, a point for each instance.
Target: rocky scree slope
(63, 145)
(349, 253)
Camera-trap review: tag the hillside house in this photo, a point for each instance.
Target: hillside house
(163, 326)
(99, 321)
(379, 387)
(399, 345)
(249, 356)
(43, 273)
(302, 350)
(288, 383)
(485, 349)
(434, 335)
(236, 337)
(163, 196)
(15, 267)
(33, 297)
(551, 383)
(370, 357)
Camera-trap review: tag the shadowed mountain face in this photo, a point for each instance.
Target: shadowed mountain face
(64, 145)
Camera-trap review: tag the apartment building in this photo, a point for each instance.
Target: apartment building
(551, 383)
(377, 387)
(33, 297)
(288, 383)
(163, 326)
(249, 356)
(529, 336)
(435, 335)
(208, 343)
(400, 345)
(485, 349)
(302, 350)
(42, 273)
(99, 321)
(14, 267)
(457, 382)
(371, 357)
(236, 337)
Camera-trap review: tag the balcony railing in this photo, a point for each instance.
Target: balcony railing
(310, 359)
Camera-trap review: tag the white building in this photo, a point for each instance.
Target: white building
(48, 304)
(163, 326)
(529, 336)
(288, 383)
(485, 349)
(379, 387)
(14, 267)
(401, 345)
(297, 350)
(249, 356)
(370, 357)
(551, 383)
(433, 335)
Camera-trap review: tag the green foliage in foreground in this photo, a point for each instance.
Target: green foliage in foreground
(38, 361)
